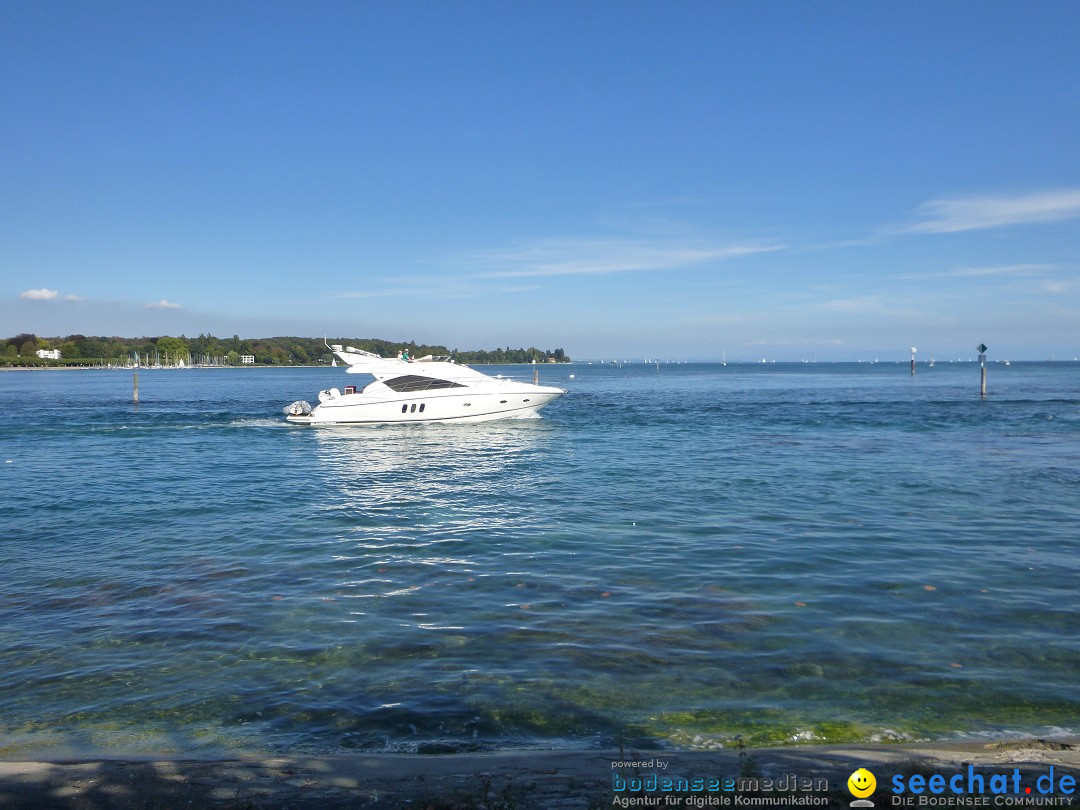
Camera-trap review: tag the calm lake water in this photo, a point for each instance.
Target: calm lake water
(671, 556)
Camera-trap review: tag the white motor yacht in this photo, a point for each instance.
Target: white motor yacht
(428, 389)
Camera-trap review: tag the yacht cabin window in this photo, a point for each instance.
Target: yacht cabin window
(414, 382)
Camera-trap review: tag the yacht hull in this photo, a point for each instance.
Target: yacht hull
(362, 409)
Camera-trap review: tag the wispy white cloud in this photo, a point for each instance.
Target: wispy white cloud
(49, 295)
(857, 305)
(478, 271)
(434, 286)
(163, 304)
(999, 271)
(972, 213)
(1055, 287)
(564, 257)
(40, 295)
(384, 292)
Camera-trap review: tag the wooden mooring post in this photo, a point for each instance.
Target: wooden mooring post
(136, 399)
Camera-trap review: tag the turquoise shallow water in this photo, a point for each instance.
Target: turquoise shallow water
(670, 556)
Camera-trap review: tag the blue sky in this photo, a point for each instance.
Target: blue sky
(788, 180)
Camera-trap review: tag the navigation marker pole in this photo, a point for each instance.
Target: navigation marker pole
(913, 350)
(136, 388)
(982, 365)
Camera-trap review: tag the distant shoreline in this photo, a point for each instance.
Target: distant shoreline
(601, 363)
(244, 367)
(121, 368)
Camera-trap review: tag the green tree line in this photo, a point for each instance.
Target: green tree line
(81, 350)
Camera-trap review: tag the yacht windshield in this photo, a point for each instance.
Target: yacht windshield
(413, 382)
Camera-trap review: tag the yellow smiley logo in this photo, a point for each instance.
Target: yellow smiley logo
(861, 783)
